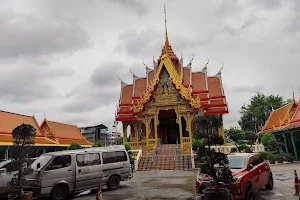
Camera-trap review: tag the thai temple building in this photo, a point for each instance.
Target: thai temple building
(284, 124)
(159, 108)
(50, 136)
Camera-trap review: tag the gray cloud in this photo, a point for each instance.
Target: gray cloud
(136, 6)
(27, 35)
(102, 89)
(145, 43)
(29, 83)
(105, 75)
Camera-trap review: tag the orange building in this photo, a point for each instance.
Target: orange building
(284, 123)
(63, 134)
(49, 135)
(160, 106)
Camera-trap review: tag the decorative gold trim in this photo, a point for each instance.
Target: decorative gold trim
(186, 93)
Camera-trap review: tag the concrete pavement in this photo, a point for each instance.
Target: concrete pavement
(156, 185)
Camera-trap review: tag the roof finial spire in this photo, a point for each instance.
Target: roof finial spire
(44, 115)
(293, 94)
(167, 40)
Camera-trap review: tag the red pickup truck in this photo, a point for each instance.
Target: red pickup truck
(250, 173)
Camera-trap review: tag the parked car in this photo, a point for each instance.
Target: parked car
(250, 173)
(7, 170)
(59, 174)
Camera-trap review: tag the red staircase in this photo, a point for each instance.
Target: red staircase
(165, 157)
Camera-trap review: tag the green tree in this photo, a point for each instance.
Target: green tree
(120, 140)
(270, 142)
(23, 136)
(127, 147)
(98, 144)
(241, 138)
(205, 129)
(255, 114)
(74, 145)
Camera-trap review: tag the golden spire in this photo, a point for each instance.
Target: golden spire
(206, 63)
(221, 67)
(44, 115)
(293, 99)
(167, 40)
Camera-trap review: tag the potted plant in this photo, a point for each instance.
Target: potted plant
(215, 164)
(23, 136)
(279, 158)
(271, 158)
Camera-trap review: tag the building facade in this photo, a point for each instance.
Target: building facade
(159, 108)
(96, 133)
(50, 136)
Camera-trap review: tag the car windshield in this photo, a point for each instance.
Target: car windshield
(236, 162)
(40, 162)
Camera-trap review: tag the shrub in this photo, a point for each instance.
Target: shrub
(127, 147)
(74, 146)
(98, 144)
(271, 157)
(242, 147)
(23, 136)
(196, 144)
(204, 128)
(279, 157)
(233, 150)
(120, 140)
(265, 154)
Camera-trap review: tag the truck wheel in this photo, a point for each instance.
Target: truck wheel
(270, 183)
(248, 192)
(60, 192)
(113, 182)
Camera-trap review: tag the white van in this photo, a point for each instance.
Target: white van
(58, 174)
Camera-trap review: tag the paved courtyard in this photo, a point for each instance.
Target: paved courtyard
(180, 185)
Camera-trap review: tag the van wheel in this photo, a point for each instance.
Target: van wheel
(60, 192)
(113, 182)
(270, 184)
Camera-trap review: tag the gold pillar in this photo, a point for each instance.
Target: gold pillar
(125, 132)
(135, 125)
(189, 123)
(155, 128)
(147, 130)
(189, 119)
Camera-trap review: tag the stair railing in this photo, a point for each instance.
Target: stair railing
(153, 158)
(175, 153)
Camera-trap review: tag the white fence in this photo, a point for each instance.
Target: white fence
(137, 158)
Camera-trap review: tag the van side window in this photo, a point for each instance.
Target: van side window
(120, 156)
(59, 162)
(88, 159)
(108, 157)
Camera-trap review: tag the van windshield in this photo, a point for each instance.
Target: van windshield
(40, 162)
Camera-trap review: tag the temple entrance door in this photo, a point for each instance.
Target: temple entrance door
(168, 129)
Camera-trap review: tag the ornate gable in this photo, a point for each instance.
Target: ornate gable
(185, 92)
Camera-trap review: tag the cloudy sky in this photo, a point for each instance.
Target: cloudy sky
(62, 58)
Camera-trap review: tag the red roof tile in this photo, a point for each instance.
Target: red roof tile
(296, 116)
(140, 87)
(127, 94)
(198, 81)
(186, 76)
(150, 76)
(275, 117)
(214, 87)
(66, 131)
(9, 121)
